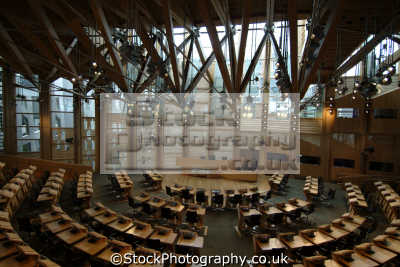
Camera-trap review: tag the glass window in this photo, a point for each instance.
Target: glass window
(62, 120)
(88, 132)
(27, 115)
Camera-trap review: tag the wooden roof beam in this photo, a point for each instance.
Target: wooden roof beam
(306, 71)
(187, 63)
(203, 60)
(243, 40)
(154, 75)
(169, 27)
(155, 57)
(9, 42)
(231, 42)
(371, 44)
(292, 12)
(204, 8)
(75, 24)
(53, 36)
(253, 63)
(101, 19)
(203, 69)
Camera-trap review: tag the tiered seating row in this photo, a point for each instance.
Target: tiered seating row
(156, 236)
(84, 188)
(389, 201)
(355, 199)
(13, 250)
(52, 189)
(311, 188)
(273, 215)
(309, 241)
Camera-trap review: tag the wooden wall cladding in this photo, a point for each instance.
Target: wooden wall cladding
(71, 170)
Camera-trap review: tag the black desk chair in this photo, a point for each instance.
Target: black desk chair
(217, 201)
(147, 209)
(201, 197)
(169, 191)
(252, 224)
(255, 199)
(187, 197)
(192, 218)
(136, 206)
(230, 199)
(268, 195)
(275, 219)
(168, 215)
(294, 215)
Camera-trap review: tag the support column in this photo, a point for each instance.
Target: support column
(45, 121)
(77, 129)
(97, 130)
(10, 124)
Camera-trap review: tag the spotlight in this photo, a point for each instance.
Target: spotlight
(277, 64)
(391, 69)
(386, 80)
(366, 111)
(73, 80)
(331, 98)
(357, 84)
(340, 81)
(277, 74)
(94, 64)
(166, 75)
(355, 91)
(354, 97)
(330, 111)
(336, 89)
(331, 105)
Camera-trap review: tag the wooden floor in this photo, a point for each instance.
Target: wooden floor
(215, 184)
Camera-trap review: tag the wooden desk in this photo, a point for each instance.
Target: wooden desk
(157, 202)
(357, 260)
(345, 225)
(43, 262)
(92, 248)
(299, 203)
(6, 226)
(7, 249)
(70, 237)
(140, 233)
(354, 218)
(376, 253)
(297, 242)
(332, 263)
(167, 238)
(122, 224)
(16, 262)
(271, 244)
(114, 247)
(269, 211)
(388, 243)
(4, 216)
(335, 232)
(196, 242)
(142, 197)
(93, 212)
(58, 226)
(107, 217)
(287, 208)
(319, 238)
